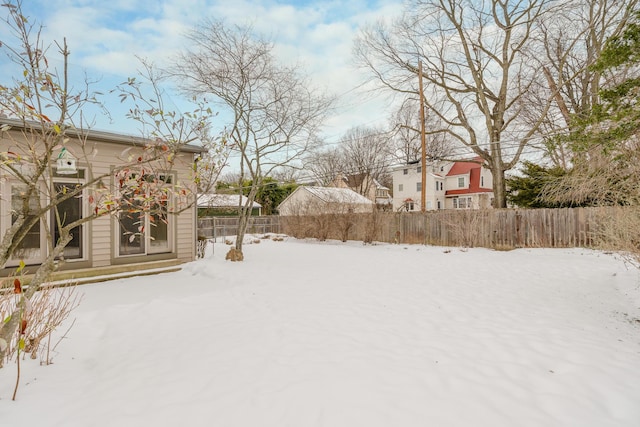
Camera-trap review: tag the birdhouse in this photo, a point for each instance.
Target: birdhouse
(66, 163)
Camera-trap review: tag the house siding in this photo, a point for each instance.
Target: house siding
(303, 201)
(448, 173)
(101, 235)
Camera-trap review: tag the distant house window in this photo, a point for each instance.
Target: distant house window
(437, 185)
(482, 181)
(462, 203)
(400, 187)
(418, 186)
(419, 169)
(409, 206)
(405, 171)
(439, 205)
(441, 168)
(461, 182)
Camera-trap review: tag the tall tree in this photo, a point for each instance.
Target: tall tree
(607, 165)
(365, 153)
(324, 165)
(407, 127)
(476, 71)
(567, 46)
(274, 112)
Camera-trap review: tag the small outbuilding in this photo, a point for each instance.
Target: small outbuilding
(308, 200)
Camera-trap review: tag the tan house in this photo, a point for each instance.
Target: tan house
(309, 200)
(102, 246)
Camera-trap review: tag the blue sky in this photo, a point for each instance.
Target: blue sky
(105, 37)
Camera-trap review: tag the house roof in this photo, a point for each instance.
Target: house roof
(463, 168)
(102, 136)
(337, 195)
(356, 180)
(209, 200)
(474, 169)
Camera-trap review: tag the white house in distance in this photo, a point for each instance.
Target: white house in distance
(449, 185)
(309, 200)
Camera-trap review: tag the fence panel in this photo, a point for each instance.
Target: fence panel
(493, 228)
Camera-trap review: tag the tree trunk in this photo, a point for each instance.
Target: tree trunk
(499, 186)
(245, 214)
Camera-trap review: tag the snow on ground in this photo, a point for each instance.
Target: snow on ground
(331, 334)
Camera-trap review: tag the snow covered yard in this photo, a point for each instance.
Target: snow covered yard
(341, 334)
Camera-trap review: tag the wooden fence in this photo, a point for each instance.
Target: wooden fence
(491, 228)
(506, 228)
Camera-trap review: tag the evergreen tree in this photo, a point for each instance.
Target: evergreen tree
(526, 191)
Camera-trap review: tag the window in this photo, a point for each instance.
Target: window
(30, 248)
(481, 181)
(405, 171)
(146, 229)
(418, 186)
(461, 182)
(69, 211)
(400, 187)
(131, 230)
(419, 169)
(439, 205)
(437, 185)
(462, 202)
(409, 206)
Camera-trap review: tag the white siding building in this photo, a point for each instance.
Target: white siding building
(308, 200)
(449, 185)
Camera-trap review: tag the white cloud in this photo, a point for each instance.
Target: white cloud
(105, 37)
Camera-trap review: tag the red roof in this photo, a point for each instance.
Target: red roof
(473, 169)
(462, 168)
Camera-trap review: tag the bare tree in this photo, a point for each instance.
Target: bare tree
(274, 112)
(407, 144)
(476, 71)
(325, 165)
(44, 118)
(567, 46)
(365, 153)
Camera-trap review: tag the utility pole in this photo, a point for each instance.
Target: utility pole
(423, 138)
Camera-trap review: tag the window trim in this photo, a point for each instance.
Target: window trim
(80, 179)
(169, 179)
